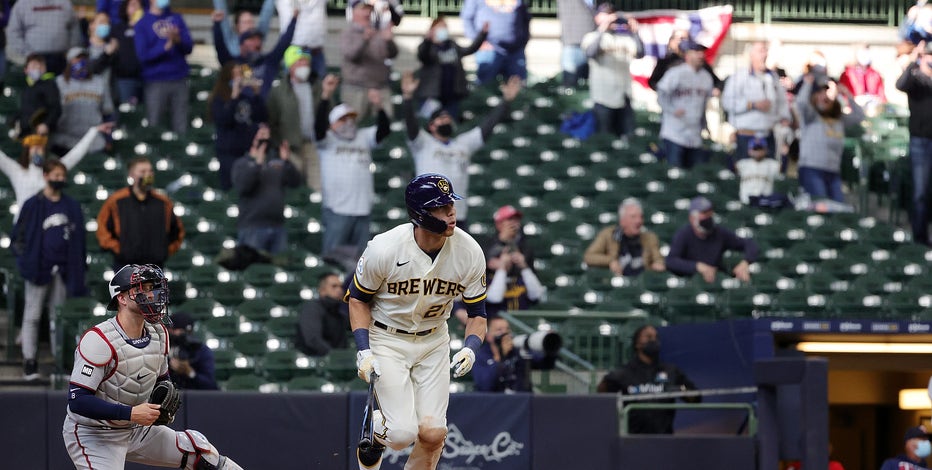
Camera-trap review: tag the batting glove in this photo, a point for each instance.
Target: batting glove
(462, 362)
(366, 364)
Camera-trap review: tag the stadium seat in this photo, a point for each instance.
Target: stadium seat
(855, 303)
(252, 344)
(223, 327)
(745, 302)
(244, 383)
(309, 384)
(340, 365)
(283, 327)
(283, 365)
(799, 303)
(593, 340)
(691, 305)
(229, 363)
(258, 310)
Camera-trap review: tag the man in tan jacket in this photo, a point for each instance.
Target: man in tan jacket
(626, 249)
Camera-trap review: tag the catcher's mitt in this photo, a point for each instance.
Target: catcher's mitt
(167, 395)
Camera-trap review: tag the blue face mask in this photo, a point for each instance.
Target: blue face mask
(38, 160)
(103, 30)
(162, 4)
(923, 449)
(79, 70)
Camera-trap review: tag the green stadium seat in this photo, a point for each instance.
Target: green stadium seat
(856, 303)
(691, 305)
(799, 303)
(252, 344)
(244, 383)
(340, 365)
(283, 365)
(824, 283)
(745, 302)
(229, 363)
(223, 327)
(310, 383)
(593, 340)
(288, 295)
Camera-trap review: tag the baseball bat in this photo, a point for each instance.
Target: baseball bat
(365, 436)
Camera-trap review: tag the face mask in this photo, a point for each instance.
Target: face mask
(445, 130)
(347, 131)
(103, 30)
(79, 70)
(251, 57)
(302, 73)
(707, 225)
(34, 74)
(38, 159)
(923, 449)
(58, 185)
(178, 340)
(652, 350)
(441, 35)
(864, 57)
(330, 303)
(146, 183)
(162, 4)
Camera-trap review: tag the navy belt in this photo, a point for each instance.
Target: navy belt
(392, 329)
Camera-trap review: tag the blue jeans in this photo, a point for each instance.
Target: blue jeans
(920, 155)
(684, 157)
(352, 230)
(2, 64)
(271, 239)
(615, 121)
(575, 65)
(821, 184)
(129, 90)
(741, 149)
(491, 64)
(319, 64)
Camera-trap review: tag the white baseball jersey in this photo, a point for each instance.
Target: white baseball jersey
(117, 368)
(687, 89)
(757, 177)
(311, 28)
(412, 292)
(348, 187)
(450, 159)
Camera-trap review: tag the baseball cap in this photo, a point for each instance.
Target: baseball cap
(506, 212)
(251, 33)
(75, 52)
(757, 143)
(293, 54)
(691, 45)
(182, 320)
(119, 283)
(605, 7)
(916, 432)
(341, 110)
(356, 3)
(700, 204)
(437, 113)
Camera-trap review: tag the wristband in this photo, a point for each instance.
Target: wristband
(362, 338)
(472, 342)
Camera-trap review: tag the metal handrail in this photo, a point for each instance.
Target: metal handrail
(625, 409)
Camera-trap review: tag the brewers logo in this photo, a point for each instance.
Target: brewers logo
(444, 186)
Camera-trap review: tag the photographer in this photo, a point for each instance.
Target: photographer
(499, 367)
(191, 362)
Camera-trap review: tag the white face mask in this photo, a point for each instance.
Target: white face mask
(347, 131)
(864, 57)
(302, 73)
(441, 34)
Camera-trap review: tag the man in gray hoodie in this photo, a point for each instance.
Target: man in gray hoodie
(46, 27)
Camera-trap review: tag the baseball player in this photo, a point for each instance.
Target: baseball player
(400, 298)
(117, 364)
(438, 150)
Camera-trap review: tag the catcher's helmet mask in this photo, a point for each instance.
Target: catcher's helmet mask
(136, 276)
(426, 192)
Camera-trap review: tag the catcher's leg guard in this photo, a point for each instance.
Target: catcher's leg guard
(199, 454)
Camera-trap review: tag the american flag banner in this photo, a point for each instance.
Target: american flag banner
(707, 26)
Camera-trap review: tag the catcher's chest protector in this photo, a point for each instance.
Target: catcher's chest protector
(136, 369)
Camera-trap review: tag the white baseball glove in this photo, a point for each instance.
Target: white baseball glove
(462, 362)
(366, 364)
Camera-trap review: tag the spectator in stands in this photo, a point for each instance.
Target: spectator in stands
(683, 93)
(257, 66)
(916, 449)
(291, 114)
(101, 45)
(916, 82)
(822, 136)
(699, 246)
(48, 242)
(757, 175)
(645, 374)
(864, 81)
(509, 29)
(39, 101)
(442, 78)
(137, 223)
(126, 69)
(626, 249)
(162, 42)
(86, 102)
(438, 150)
(25, 173)
(610, 49)
(243, 21)
(190, 362)
(4, 20)
(384, 12)
(237, 109)
(261, 179)
(674, 56)
(817, 66)
(113, 9)
(365, 52)
(499, 366)
(45, 27)
(513, 283)
(310, 33)
(322, 325)
(755, 102)
(576, 19)
(345, 155)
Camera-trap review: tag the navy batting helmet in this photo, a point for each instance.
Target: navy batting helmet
(425, 192)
